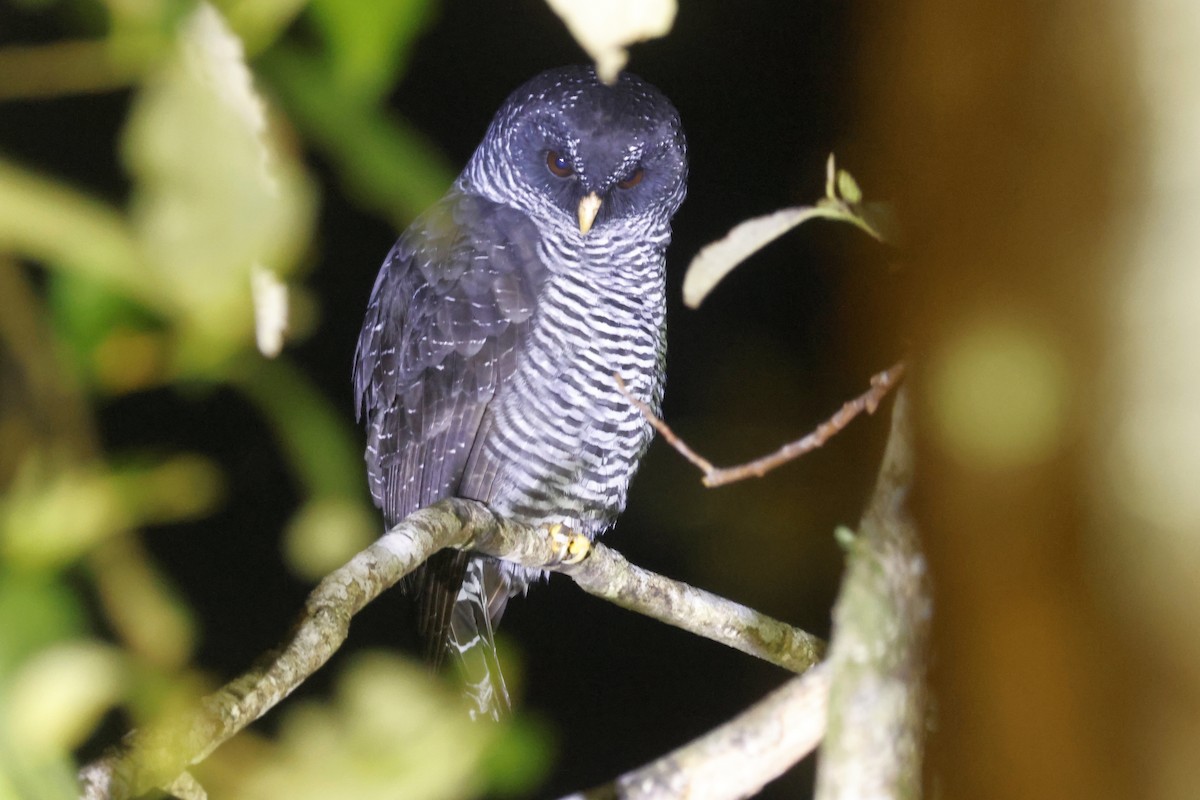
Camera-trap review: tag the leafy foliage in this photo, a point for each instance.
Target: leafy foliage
(158, 293)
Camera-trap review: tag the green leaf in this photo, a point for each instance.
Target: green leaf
(369, 41)
(59, 227)
(316, 437)
(845, 537)
(382, 160)
(718, 259)
(848, 188)
(260, 22)
(391, 730)
(35, 611)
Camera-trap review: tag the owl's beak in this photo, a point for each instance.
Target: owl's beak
(589, 207)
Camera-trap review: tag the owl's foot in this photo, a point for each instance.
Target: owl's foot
(569, 547)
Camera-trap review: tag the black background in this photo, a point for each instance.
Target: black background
(766, 92)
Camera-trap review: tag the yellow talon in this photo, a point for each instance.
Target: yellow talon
(578, 549)
(569, 547)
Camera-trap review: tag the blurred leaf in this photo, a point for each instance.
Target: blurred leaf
(50, 223)
(517, 761)
(22, 776)
(391, 731)
(53, 515)
(368, 41)
(115, 342)
(129, 360)
(58, 695)
(35, 611)
(61, 68)
(213, 196)
(170, 489)
(149, 616)
(259, 23)
(388, 166)
(325, 533)
(140, 34)
(999, 392)
(42, 406)
(139, 18)
(606, 29)
(317, 439)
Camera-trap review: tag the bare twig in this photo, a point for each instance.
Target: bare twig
(738, 758)
(665, 431)
(868, 401)
(155, 756)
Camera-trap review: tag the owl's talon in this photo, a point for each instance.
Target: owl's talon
(569, 547)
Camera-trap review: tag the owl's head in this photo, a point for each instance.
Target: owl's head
(576, 153)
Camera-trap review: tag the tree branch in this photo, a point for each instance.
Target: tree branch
(157, 755)
(606, 574)
(738, 758)
(874, 743)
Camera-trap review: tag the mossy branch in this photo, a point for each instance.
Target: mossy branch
(156, 756)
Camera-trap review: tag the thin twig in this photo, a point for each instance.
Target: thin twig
(868, 401)
(691, 455)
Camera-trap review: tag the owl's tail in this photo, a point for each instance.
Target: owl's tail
(477, 610)
(460, 599)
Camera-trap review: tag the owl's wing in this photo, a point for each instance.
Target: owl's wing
(448, 313)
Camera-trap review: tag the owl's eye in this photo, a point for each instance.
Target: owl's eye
(632, 179)
(559, 164)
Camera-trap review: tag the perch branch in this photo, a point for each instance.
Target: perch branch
(608, 575)
(868, 401)
(155, 756)
(739, 757)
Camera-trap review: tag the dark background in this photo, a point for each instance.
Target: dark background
(765, 90)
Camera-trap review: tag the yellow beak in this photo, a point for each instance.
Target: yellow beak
(589, 207)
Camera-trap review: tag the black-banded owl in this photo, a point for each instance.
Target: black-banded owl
(485, 364)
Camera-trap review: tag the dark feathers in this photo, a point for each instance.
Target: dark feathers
(445, 318)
